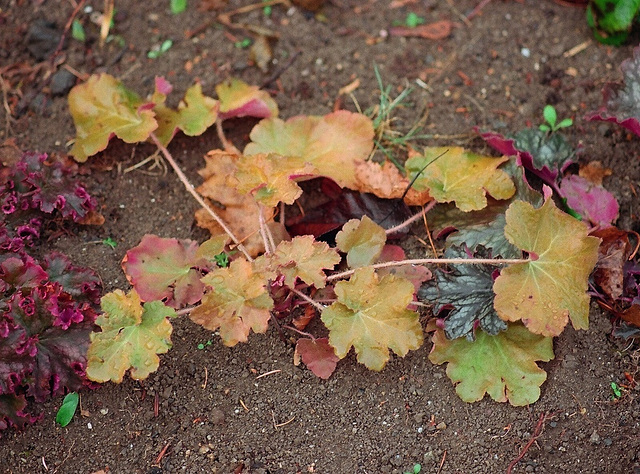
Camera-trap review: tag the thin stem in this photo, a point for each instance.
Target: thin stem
(263, 231)
(437, 261)
(226, 144)
(411, 219)
(197, 197)
(317, 305)
(187, 310)
(302, 333)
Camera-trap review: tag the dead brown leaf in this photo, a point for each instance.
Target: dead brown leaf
(594, 172)
(385, 181)
(612, 255)
(434, 31)
(631, 315)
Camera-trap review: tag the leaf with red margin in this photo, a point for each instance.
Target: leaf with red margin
(333, 143)
(416, 274)
(239, 99)
(11, 412)
(102, 108)
(621, 101)
(168, 269)
(318, 356)
(592, 202)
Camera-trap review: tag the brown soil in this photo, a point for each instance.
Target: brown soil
(214, 414)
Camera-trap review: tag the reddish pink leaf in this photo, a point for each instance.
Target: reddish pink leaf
(416, 274)
(318, 356)
(594, 203)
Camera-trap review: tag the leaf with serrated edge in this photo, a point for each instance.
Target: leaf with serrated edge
(371, 315)
(318, 356)
(131, 337)
(303, 258)
(101, 108)
(454, 174)
(236, 302)
(504, 366)
(161, 268)
(195, 114)
(270, 177)
(239, 99)
(544, 293)
(362, 240)
(469, 289)
(333, 143)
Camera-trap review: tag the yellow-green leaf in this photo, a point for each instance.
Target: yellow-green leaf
(239, 99)
(504, 365)
(455, 174)
(270, 177)
(236, 302)
(362, 240)
(101, 108)
(131, 337)
(371, 315)
(333, 143)
(546, 292)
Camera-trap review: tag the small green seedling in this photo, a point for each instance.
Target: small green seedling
(68, 409)
(245, 43)
(77, 31)
(156, 52)
(551, 117)
(617, 393)
(202, 346)
(413, 20)
(178, 6)
(222, 260)
(416, 469)
(109, 242)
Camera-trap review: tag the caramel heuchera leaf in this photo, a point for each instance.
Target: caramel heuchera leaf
(270, 177)
(454, 174)
(385, 181)
(318, 356)
(236, 302)
(165, 268)
(545, 292)
(195, 114)
(371, 315)
(504, 366)
(362, 240)
(303, 258)
(131, 337)
(239, 99)
(102, 108)
(333, 143)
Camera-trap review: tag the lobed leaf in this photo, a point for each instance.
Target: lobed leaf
(333, 143)
(318, 356)
(551, 288)
(131, 337)
(102, 108)
(416, 274)
(239, 99)
(504, 366)
(371, 315)
(454, 174)
(362, 240)
(236, 301)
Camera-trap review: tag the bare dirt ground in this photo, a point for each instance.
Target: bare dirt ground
(214, 415)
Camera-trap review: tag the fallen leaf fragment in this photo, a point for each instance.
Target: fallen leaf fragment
(594, 172)
(318, 356)
(613, 252)
(631, 315)
(385, 181)
(434, 31)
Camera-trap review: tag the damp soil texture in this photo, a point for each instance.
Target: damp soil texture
(213, 414)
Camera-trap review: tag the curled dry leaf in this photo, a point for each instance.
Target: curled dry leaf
(612, 256)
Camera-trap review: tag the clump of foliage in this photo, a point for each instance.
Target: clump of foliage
(47, 305)
(518, 266)
(612, 20)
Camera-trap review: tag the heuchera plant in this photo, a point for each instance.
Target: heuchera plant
(514, 272)
(48, 306)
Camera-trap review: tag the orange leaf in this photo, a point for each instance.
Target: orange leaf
(433, 31)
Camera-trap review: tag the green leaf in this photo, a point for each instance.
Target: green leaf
(362, 240)
(564, 123)
(77, 31)
(195, 114)
(454, 174)
(371, 315)
(550, 115)
(101, 108)
(67, 409)
(333, 143)
(545, 292)
(178, 6)
(131, 337)
(469, 290)
(504, 366)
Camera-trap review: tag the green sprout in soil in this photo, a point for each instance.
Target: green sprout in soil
(158, 51)
(109, 242)
(178, 6)
(551, 118)
(77, 31)
(201, 346)
(68, 409)
(417, 468)
(615, 388)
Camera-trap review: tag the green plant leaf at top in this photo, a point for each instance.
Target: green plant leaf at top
(504, 366)
(131, 337)
(545, 292)
(454, 174)
(468, 289)
(166, 269)
(195, 114)
(102, 108)
(67, 409)
(362, 240)
(611, 20)
(333, 143)
(239, 99)
(371, 315)
(270, 177)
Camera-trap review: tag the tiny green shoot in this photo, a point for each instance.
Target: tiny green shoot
(68, 409)
(617, 393)
(551, 117)
(202, 346)
(266, 10)
(77, 31)
(222, 260)
(156, 51)
(245, 43)
(417, 468)
(413, 20)
(178, 6)
(109, 242)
